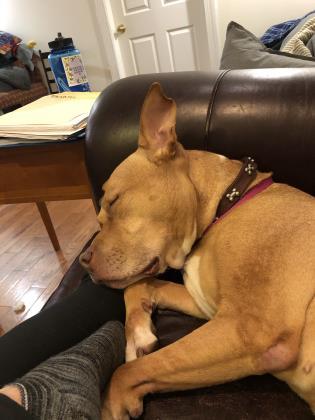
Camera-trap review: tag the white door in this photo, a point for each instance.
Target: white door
(152, 36)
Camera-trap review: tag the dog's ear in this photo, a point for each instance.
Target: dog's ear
(157, 125)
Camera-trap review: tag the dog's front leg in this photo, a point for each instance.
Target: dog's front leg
(140, 300)
(139, 328)
(212, 354)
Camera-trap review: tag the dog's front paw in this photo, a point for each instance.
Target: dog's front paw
(140, 341)
(121, 401)
(114, 411)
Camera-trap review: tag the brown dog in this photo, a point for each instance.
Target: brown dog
(252, 273)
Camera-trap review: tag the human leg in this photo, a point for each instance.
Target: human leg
(9, 409)
(58, 328)
(69, 385)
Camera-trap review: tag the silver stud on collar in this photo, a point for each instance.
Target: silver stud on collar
(231, 196)
(250, 167)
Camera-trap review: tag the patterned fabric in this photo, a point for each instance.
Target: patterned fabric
(7, 42)
(69, 385)
(22, 97)
(277, 33)
(297, 44)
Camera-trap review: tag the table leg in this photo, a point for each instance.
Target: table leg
(42, 208)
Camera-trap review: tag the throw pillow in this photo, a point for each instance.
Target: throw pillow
(7, 42)
(243, 50)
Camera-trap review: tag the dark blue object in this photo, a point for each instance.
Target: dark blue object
(67, 65)
(277, 33)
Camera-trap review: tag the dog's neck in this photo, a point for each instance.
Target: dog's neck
(211, 175)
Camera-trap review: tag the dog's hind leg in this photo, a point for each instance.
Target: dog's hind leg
(140, 300)
(301, 378)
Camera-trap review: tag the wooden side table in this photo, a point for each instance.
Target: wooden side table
(43, 172)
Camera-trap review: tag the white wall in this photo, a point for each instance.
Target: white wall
(258, 15)
(85, 22)
(80, 19)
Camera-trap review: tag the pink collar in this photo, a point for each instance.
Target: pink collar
(261, 186)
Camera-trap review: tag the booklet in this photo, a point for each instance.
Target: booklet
(52, 117)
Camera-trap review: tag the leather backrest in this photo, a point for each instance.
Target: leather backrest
(268, 114)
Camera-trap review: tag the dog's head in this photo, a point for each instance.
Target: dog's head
(149, 207)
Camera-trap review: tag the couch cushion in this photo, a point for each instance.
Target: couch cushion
(253, 398)
(243, 50)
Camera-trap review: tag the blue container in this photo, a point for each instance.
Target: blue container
(67, 65)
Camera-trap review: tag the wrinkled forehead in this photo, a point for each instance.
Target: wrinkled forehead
(132, 171)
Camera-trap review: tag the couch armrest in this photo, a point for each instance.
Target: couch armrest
(74, 276)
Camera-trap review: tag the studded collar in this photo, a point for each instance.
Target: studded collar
(235, 194)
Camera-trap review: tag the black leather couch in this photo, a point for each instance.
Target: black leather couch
(268, 114)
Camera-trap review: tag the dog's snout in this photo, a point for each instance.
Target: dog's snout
(85, 257)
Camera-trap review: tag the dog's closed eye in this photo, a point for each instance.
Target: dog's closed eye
(103, 205)
(112, 201)
(108, 201)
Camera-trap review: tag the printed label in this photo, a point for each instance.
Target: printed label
(74, 70)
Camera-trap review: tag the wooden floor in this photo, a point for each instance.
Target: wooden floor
(30, 269)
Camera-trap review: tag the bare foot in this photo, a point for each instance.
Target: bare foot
(12, 392)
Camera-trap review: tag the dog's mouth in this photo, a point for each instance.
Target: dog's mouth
(119, 283)
(152, 268)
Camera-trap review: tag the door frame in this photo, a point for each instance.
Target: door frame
(114, 54)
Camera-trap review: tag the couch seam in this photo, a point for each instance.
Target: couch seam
(211, 105)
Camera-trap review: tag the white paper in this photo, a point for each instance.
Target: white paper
(52, 116)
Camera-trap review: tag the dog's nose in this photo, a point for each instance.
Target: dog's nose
(85, 257)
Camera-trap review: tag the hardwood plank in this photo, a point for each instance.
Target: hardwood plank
(29, 298)
(19, 283)
(13, 231)
(42, 299)
(10, 222)
(7, 318)
(23, 258)
(30, 270)
(3, 313)
(47, 268)
(4, 209)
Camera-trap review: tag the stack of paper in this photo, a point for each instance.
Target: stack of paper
(52, 117)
